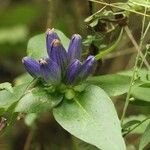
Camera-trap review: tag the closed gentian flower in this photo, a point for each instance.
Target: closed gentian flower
(50, 71)
(72, 71)
(74, 50)
(58, 54)
(50, 36)
(61, 66)
(32, 66)
(87, 68)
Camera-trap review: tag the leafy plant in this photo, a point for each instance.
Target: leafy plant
(60, 83)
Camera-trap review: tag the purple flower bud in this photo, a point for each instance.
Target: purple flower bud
(87, 68)
(32, 66)
(50, 71)
(72, 71)
(58, 54)
(74, 50)
(50, 36)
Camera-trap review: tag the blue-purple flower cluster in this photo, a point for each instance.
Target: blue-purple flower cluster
(61, 66)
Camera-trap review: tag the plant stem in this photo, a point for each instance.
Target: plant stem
(130, 88)
(138, 48)
(135, 67)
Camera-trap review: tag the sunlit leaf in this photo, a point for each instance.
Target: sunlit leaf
(6, 86)
(37, 100)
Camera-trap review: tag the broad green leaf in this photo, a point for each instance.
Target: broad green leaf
(91, 117)
(37, 45)
(7, 98)
(140, 129)
(6, 86)
(112, 84)
(141, 93)
(145, 140)
(37, 100)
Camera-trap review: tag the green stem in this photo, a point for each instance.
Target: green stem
(130, 88)
(110, 49)
(134, 71)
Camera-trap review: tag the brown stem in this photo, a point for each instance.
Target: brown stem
(28, 140)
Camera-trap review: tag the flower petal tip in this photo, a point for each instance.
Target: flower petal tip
(50, 31)
(78, 36)
(56, 42)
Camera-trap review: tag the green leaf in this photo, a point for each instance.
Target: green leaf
(6, 86)
(7, 98)
(140, 129)
(141, 93)
(145, 140)
(37, 100)
(37, 45)
(143, 74)
(130, 124)
(91, 117)
(112, 84)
